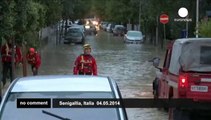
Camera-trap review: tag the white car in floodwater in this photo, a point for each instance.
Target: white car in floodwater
(134, 37)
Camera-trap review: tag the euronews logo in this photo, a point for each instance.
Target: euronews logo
(183, 13)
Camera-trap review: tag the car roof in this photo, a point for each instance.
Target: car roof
(59, 83)
(119, 26)
(180, 46)
(184, 40)
(134, 31)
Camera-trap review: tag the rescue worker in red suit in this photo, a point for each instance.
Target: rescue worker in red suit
(34, 60)
(6, 54)
(85, 64)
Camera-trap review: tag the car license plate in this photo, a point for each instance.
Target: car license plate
(196, 88)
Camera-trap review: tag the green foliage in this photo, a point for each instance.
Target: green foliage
(150, 10)
(32, 39)
(21, 20)
(76, 9)
(118, 11)
(24, 18)
(53, 9)
(67, 9)
(7, 20)
(205, 29)
(81, 9)
(99, 6)
(35, 21)
(32, 15)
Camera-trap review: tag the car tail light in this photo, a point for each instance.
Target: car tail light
(183, 84)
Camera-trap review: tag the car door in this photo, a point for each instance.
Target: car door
(165, 72)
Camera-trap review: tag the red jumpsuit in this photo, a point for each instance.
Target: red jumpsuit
(35, 61)
(85, 65)
(6, 54)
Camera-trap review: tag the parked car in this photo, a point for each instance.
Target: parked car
(186, 74)
(74, 35)
(82, 27)
(90, 29)
(102, 25)
(119, 30)
(60, 88)
(110, 27)
(134, 37)
(105, 26)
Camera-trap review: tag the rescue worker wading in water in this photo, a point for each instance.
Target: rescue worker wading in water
(34, 60)
(85, 64)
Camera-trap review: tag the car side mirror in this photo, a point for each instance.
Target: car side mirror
(155, 62)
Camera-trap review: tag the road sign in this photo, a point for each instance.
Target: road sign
(164, 18)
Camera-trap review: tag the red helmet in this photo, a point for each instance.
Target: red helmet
(31, 50)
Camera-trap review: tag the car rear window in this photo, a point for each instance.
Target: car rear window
(74, 30)
(120, 28)
(200, 60)
(205, 55)
(10, 106)
(134, 34)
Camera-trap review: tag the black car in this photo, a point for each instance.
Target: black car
(119, 30)
(90, 30)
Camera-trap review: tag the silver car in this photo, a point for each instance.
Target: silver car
(36, 98)
(74, 35)
(134, 37)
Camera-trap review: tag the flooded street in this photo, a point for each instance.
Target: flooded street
(127, 64)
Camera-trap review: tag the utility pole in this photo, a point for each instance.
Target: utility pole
(187, 28)
(157, 33)
(197, 18)
(13, 57)
(24, 58)
(139, 18)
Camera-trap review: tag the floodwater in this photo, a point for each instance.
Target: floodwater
(127, 64)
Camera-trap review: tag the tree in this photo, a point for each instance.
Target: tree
(81, 9)
(7, 19)
(205, 28)
(53, 9)
(99, 6)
